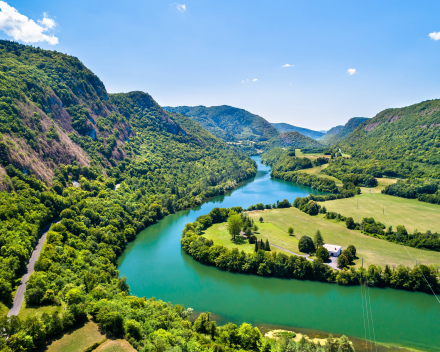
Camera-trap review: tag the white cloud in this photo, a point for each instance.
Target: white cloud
(22, 28)
(180, 7)
(287, 65)
(351, 71)
(254, 80)
(435, 35)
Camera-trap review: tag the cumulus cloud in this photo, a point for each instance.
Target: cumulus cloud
(180, 7)
(287, 65)
(254, 80)
(434, 35)
(22, 28)
(351, 71)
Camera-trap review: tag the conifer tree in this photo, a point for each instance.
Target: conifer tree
(256, 246)
(318, 240)
(267, 246)
(262, 246)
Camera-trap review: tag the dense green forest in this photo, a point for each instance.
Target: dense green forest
(336, 134)
(285, 127)
(425, 190)
(266, 263)
(402, 143)
(133, 162)
(229, 123)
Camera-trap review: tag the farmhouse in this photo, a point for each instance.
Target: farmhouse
(333, 250)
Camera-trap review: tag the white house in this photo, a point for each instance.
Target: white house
(333, 250)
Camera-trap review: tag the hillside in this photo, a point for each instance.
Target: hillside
(229, 123)
(402, 142)
(339, 133)
(285, 127)
(293, 140)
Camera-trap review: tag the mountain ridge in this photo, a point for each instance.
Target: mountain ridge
(285, 127)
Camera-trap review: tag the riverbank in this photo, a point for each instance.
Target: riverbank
(155, 265)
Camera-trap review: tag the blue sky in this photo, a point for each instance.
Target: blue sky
(200, 53)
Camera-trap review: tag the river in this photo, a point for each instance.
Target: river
(155, 265)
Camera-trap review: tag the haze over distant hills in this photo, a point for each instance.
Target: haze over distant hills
(292, 139)
(339, 133)
(229, 123)
(285, 127)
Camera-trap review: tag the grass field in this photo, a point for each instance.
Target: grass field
(317, 171)
(115, 346)
(401, 211)
(277, 221)
(299, 153)
(29, 312)
(76, 340)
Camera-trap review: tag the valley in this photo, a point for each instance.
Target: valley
(130, 188)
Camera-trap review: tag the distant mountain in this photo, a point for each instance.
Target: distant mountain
(294, 140)
(339, 133)
(285, 127)
(229, 123)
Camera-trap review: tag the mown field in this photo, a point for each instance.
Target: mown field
(277, 221)
(389, 210)
(318, 171)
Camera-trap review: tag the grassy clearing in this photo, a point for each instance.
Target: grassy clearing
(220, 235)
(318, 171)
(76, 340)
(299, 153)
(373, 250)
(26, 312)
(401, 211)
(382, 183)
(115, 346)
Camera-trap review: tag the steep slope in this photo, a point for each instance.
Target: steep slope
(229, 123)
(53, 110)
(293, 140)
(285, 127)
(339, 133)
(403, 142)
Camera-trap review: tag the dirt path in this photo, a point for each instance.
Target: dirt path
(19, 295)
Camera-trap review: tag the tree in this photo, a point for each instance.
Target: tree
(255, 227)
(342, 261)
(352, 249)
(234, 224)
(256, 246)
(267, 247)
(313, 208)
(261, 219)
(318, 240)
(306, 245)
(248, 232)
(290, 231)
(349, 222)
(261, 245)
(322, 253)
(348, 255)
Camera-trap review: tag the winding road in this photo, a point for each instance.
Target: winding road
(19, 295)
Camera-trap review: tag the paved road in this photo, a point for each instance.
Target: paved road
(19, 295)
(332, 263)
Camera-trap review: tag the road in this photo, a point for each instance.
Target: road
(332, 263)
(19, 295)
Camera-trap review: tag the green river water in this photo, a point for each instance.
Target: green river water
(155, 265)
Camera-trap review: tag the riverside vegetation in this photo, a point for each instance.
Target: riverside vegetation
(266, 263)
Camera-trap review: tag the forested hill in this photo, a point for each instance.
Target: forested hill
(229, 123)
(54, 111)
(403, 142)
(285, 127)
(339, 133)
(293, 140)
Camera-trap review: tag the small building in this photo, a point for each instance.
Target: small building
(333, 250)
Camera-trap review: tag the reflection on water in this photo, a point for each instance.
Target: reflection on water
(156, 266)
